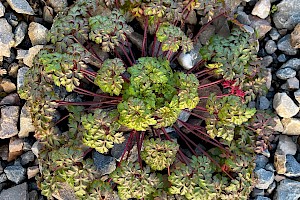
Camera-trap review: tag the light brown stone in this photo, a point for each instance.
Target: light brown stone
(295, 37)
(32, 171)
(291, 126)
(284, 105)
(279, 163)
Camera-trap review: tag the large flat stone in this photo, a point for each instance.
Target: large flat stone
(284, 105)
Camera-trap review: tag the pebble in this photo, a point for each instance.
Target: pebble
(279, 162)
(15, 173)
(291, 126)
(8, 121)
(281, 58)
(295, 37)
(37, 33)
(2, 10)
(287, 15)
(274, 34)
(262, 198)
(284, 45)
(264, 103)
(11, 19)
(269, 78)
(266, 61)
(32, 171)
(292, 167)
(26, 125)
(286, 145)
(293, 83)
(58, 5)
(104, 164)
(243, 18)
(20, 33)
(36, 147)
(27, 158)
(20, 78)
(284, 105)
(271, 188)
(260, 161)
(18, 192)
(7, 86)
(3, 178)
(21, 6)
(262, 9)
(260, 25)
(11, 100)
(270, 47)
(293, 63)
(6, 38)
(48, 14)
(265, 178)
(288, 190)
(286, 73)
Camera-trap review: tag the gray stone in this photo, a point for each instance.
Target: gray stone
(3, 178)
(20, 33)
(293, 63)
(21, 75)
(264, 103)
(207, 34)
(271, 188)
(136, 39)
(274, 34)
(4, 151)
(58, 5)
(286, 145)
(270, 167)
(15, 173)
(286, 73)
(33, 51)
(284, 45)
(26, 125)
(288, 190)
(291, 126)
(21, 53)
(265, 178)
(295, 37)
(269, 78)
(192, 18)
(293, 83)
(292, 167)
(270, 47)
(257, 192)
(33, 195)
(6, 38)
(249, 29)
(36, 147)
(262, 198)
(287, 15)
(185, 60)
(284, 105)
(27, 158)
(266, 61)
(104, 164)
(281, 58)
(48, 14)
(260, 161)
(243, 18)
(262, 9)
(8, 121)
(261, 26)
(297, 95)
(2, 10)
(183, 116)
(10, 100)
(18, 192)
(37, 33)
(21, 6)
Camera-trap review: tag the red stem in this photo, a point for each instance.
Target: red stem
(126, 54)
(218, 96)
(145, 38)
(78, 89)
(210, 84)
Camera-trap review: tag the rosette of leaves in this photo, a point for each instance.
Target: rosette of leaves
(101, 132)
(100, 190)
(226, 113)
(152, 97)
(134, 182)
(172, 38)
(159, 154)
(109, 77)
(109, 30)
(194, 181)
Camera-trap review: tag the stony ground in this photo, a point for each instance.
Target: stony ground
(23, 28)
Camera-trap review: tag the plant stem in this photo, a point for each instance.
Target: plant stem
(144, 47)
(218, 96)
(86, 92)
(126, 54)
(210, 84)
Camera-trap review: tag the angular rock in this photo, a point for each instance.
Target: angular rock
(288, 190)
(21, 6)
(291, 126)
(243, 18)
(2, 10)
(281, 58)
(33, 51)
(36, 147)
(21, 53)
(192, 18)
(265, 178)
(15, 173)
(20, 33)
(292, 167)
(48, 14)
(286, 145)
(295, 37)
(7, 86)
(4, 151)
(104, 164)
(279, 162)
(261, 26)
(37, 33)
(207, 34)
(6, 38)
(13, 70)
(287, 15)
(284, 105)
(8, 121)
(260, 161)
(58, 5)
(293, 63)
(3, 178)
(262, 9)
(26, 125)
(264, 103)
(18, 192)
(20, 78)
(274, 34)
(269, 78)
(284, 45)
(278, 125)
(32, 171)
(271, 188)
(27, 158)
(10, 100)
(262, 198)
(292, 83)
